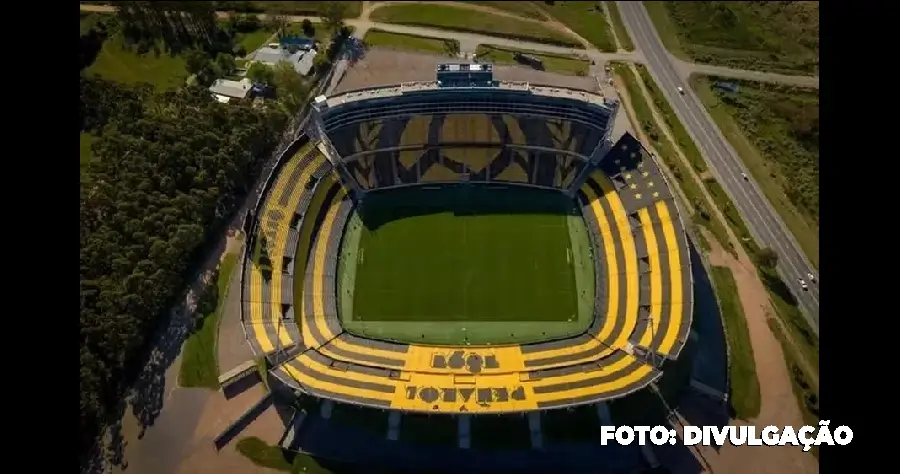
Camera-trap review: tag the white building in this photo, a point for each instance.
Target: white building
(224, 90)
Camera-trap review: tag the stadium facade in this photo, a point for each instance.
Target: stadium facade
(466, 127)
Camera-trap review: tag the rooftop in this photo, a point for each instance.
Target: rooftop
(302, 61)
(393, 91)
(228, 88)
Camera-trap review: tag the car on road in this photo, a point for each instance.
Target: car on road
(812, 278)
(680, 90)
(803, 284)
(744, 175)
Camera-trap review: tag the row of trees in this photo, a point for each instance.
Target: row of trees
(177, 23)
(172, 165)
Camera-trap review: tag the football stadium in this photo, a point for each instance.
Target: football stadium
(466, 246)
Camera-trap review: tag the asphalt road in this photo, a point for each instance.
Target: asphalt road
(761, 219)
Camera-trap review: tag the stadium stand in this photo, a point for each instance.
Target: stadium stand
(665, 277)
(268, 297)
(411, 134)
(486, 135)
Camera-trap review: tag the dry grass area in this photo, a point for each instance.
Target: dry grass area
(384, 67)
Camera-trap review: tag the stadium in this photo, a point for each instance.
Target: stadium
(466, 246)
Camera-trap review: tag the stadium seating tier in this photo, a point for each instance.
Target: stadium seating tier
(642, 312)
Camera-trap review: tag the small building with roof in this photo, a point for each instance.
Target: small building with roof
(300, 60)
(224, 89)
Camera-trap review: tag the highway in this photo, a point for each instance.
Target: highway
(761, 218)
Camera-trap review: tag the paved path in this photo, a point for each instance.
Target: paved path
(762, 220)
(469, 41)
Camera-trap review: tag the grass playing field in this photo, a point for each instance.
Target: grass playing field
(466, 263)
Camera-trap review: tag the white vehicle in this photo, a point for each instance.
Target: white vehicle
(744, 175)
(803, 284)
(680, 90)
(812, 278)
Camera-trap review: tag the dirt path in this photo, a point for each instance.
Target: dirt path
(779, 405)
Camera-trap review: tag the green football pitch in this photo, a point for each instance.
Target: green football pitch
(466, 263)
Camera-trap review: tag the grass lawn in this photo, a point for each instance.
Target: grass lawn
(524, 9)
(587, 20)
(774, 129)
(772, 36)
(461, 19)
(745, 396)
(199, 364)
(806, 392)
(287, 8)
(116, 63)
(621, 33)
(795, 323)
(422, 44)
(691, 187)
(253, 40)
(467, 255)
(666, 29)
(552, 62)
(86, 154)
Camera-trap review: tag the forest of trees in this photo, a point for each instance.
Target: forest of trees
(172, 167)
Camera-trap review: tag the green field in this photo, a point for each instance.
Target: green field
(770, 36)
(571, 65)
(121, 63)
(423, 44)
(775, 130)
(466, 264)
(461, 19)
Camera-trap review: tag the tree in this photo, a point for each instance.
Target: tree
(333, 15)
(224, 63)
(291, 88)
(278, 23)
(261, 73)
(307, 28)
(195, 61)
(173, 166)
(321, 62)
(767, 258)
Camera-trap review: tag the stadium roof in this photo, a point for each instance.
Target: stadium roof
(406, 87)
